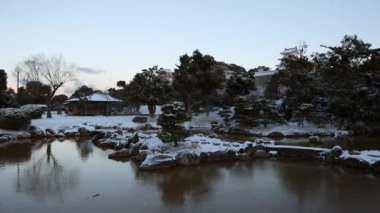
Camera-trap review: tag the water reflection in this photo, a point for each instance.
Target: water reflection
(44, 176)
(85, 148)
(328, 186)
(15, 153)
(179, 184)
(51, 176)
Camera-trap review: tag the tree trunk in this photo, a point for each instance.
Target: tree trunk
(48, 115)
(152, 109)
(188, 107)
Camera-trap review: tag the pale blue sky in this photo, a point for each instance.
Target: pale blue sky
(124, 37)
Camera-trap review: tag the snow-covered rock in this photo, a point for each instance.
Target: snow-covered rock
(140, 119)
(158, 161)
(36, 132)
(188, 157)
(123, 153)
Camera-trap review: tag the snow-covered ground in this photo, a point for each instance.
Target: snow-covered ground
(88, 122)
(291, 128)
(199, 143)
(203, 120)
(198, 121)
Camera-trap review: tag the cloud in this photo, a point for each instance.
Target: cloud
(70, 88)
(91, 70)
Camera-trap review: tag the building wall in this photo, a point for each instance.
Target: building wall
(90, 108)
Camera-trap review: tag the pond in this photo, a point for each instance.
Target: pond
(72, 176)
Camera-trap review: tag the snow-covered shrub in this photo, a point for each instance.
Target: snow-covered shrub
(252, 113)
(13, 119)
(33, 110)
(173, 115)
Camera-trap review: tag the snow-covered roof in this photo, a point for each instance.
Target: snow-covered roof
(96, 97)
(287, 51)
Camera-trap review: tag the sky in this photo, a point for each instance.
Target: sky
(112, 40)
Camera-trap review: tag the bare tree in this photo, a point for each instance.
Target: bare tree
(53, 71)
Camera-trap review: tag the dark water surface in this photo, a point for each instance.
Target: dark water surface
(77, 177)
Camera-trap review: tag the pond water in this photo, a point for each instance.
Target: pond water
(74, 176)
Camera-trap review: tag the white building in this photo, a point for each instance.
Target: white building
(287, 53)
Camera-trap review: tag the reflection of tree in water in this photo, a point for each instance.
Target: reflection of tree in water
(45, 177)
(177, 184)
(15, 153)
(85, 148)
(316, 184)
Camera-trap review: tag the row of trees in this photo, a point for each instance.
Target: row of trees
(199, 81)
(342, 84)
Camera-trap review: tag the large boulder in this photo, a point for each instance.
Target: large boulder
(159, 161)
(225, 155)
(36, 132)
(114, 141)
(123, 153)
(13, 119)
(135, 148)
(134, 138)
(100, 136)
(187, 157)
(34, 111)
(140, 119)
(50, 131)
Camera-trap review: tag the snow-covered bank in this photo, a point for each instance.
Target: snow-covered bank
(207, 121)
(292, 128)
(154, 154)
(88, 122)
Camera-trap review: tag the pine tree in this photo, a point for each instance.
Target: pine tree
(173, 115)
(3, 88)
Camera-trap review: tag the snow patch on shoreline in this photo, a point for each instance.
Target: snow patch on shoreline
(369, 156)
(88, 122)
(293, 128)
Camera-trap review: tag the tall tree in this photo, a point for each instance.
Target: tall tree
(82, 91)
(172, 117)
(58, 100)
(148, 87)
(3, 88)
(53, 71)
(195, 81)
(351, 79)
(34, 92)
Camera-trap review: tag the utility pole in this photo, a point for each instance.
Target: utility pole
(18, 70)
